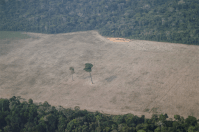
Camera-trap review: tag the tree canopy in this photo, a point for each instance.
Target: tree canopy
(159, 20)
(25, 116)
(88, 67)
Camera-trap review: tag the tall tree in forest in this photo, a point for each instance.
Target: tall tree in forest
(88, 68)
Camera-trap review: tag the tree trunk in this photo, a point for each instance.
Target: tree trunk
(91, 78)
(72, 77)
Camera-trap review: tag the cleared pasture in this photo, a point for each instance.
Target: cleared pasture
(139, 77)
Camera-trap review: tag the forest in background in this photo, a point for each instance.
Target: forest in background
(174, 21)
(17, 115)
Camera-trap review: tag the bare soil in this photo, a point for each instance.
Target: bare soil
(119, 39)
(138, 77)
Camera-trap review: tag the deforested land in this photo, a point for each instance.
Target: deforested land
(110, 57)
(138, 77)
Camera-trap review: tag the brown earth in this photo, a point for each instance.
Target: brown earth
(139, 77)
(119, 39)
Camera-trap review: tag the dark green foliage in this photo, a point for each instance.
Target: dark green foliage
(28, 117)
(159, 20)
(88, 67)
(30, 101)
(4, 104)
(191, 121)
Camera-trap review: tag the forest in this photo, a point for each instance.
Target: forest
(175, 21)
(18, 115)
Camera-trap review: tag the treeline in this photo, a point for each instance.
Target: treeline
(159, 20)
(16, 116)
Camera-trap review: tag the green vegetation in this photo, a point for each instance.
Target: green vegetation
(12, 35)
(16, 116)
(159, 20)
(88, 68)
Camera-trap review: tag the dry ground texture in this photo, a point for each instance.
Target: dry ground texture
(139, 77)
(119, 39)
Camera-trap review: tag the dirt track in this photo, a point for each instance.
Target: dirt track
(139, 77)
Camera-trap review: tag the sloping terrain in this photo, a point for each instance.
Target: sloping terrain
(139, 77)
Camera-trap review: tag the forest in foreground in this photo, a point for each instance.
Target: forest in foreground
(17, 115)
(158, 20)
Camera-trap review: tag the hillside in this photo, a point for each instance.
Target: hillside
(138, 77)
(158, 20)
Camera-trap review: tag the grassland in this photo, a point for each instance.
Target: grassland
(12, 35)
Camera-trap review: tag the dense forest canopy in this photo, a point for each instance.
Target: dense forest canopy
(22, 116)
(159, 20)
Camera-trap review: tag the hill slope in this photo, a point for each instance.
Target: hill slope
(140, 77)
(159, 20)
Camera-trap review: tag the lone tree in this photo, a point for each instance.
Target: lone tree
(88, 68)
(72, 71)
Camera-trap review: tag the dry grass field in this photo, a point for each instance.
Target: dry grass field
(139, 77)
